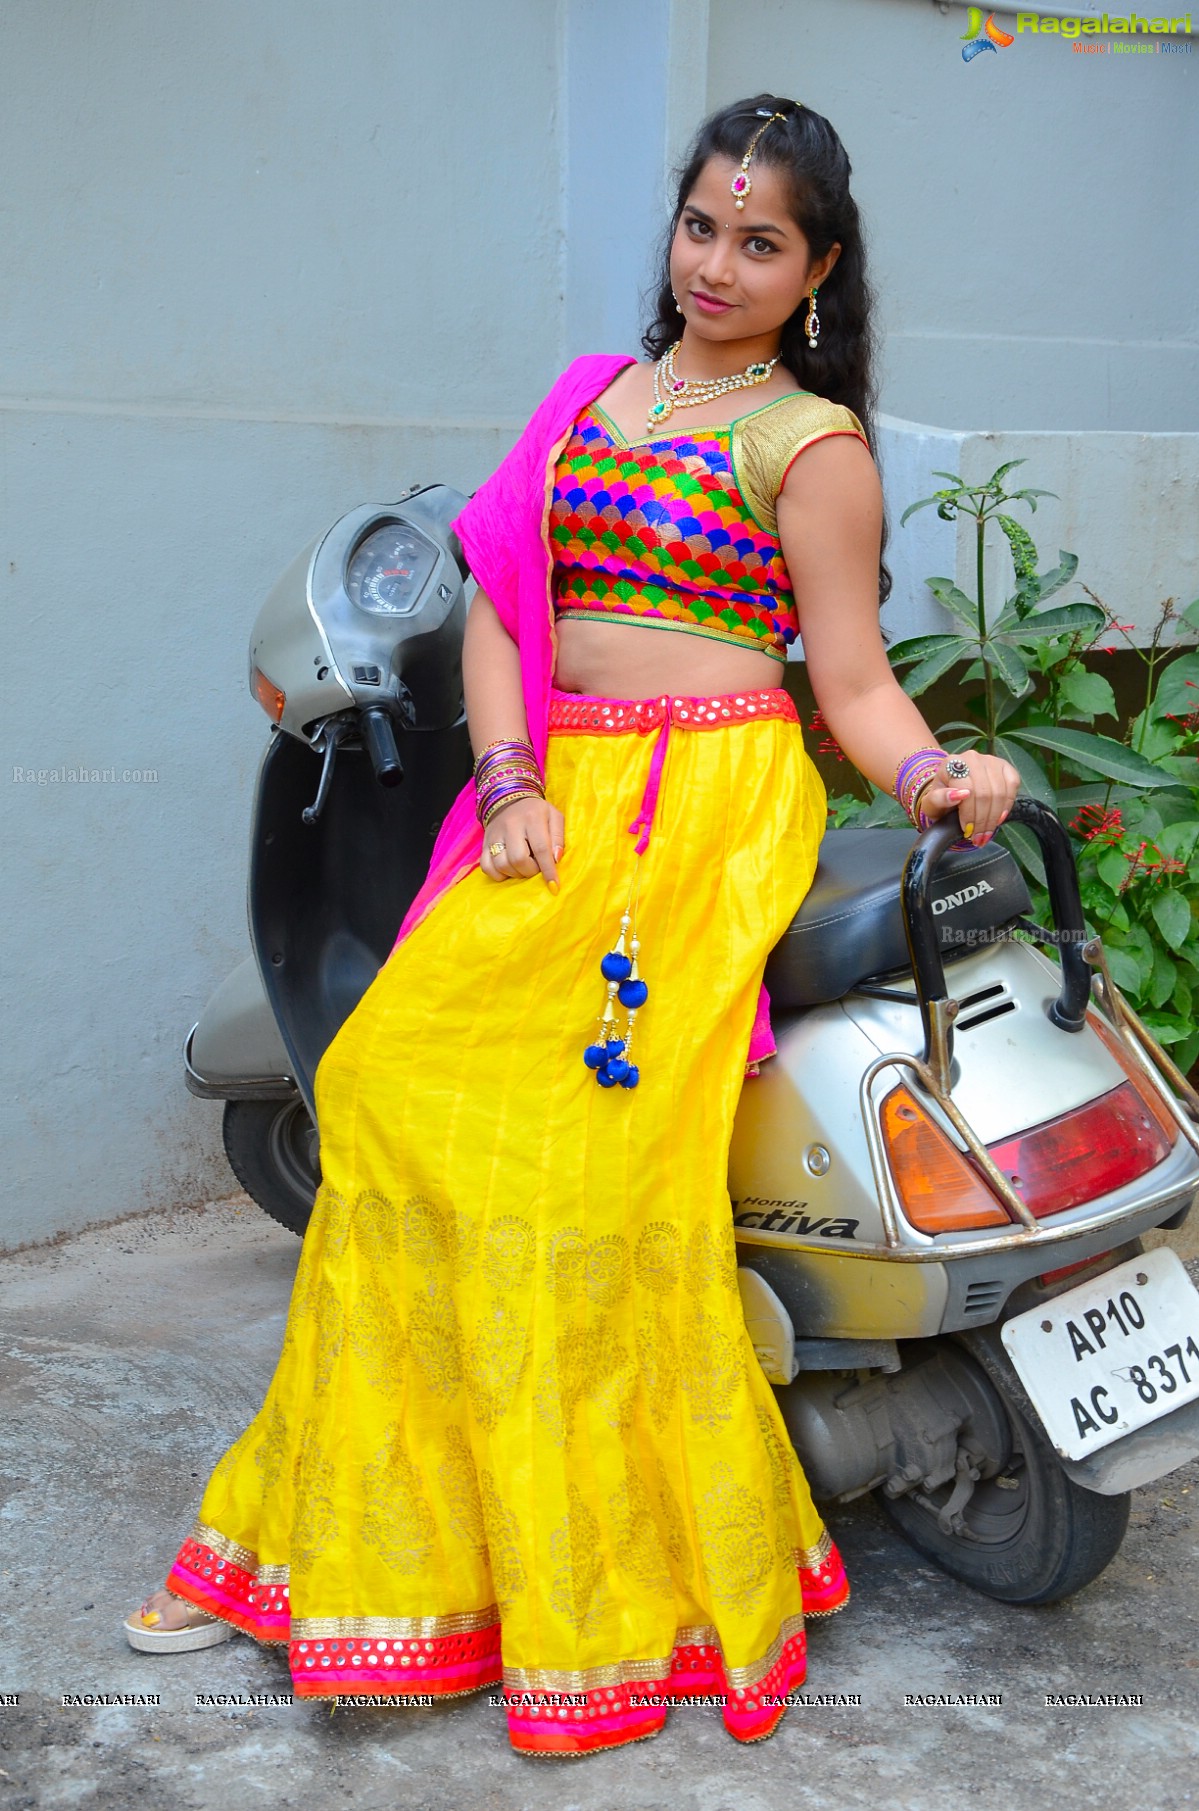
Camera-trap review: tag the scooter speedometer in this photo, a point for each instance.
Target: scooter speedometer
(387, 572)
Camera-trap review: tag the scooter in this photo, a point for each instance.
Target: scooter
(941, 1183)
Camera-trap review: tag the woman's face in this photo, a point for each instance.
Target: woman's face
(741, 273)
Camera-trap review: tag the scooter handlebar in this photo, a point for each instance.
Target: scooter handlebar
(378, 738)
(1069, 1009)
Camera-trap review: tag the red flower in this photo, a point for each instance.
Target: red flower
(1094, 824)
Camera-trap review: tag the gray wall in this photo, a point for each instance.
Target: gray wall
(1031, 213)
(264, 263)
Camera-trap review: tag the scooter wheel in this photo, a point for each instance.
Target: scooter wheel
(1032, 1535)
(272, 1150)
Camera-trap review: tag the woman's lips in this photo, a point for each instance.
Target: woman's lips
(709, 304)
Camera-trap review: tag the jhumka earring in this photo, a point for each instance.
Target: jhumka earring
(741, 184)
(812, 325)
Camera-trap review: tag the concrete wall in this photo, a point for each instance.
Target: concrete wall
(261, 264)
(1030, 213)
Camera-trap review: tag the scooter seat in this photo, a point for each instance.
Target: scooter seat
(850, 925)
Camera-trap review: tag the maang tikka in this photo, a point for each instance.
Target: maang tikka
(741, 184)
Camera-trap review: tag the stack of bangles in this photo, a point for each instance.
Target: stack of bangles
(917, 771)
(505, 772)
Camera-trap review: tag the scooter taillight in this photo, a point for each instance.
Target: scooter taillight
(1084, 1153)
(940, 1190)
(268, 694)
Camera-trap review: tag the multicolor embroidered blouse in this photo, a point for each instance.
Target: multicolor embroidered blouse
(679, 531)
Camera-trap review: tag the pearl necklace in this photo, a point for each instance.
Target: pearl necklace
(684, 392)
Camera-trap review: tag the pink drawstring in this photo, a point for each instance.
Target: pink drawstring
(644, 819)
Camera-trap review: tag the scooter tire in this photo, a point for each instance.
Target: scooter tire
(1036, 1544)
(271, 1146)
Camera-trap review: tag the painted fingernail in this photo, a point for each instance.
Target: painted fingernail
(558, 853)
(959, 792)
(552, 885)
(967, 829)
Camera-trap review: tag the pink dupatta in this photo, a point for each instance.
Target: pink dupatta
(504, 535)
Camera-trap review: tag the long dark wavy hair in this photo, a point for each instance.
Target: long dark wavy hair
(810, 157)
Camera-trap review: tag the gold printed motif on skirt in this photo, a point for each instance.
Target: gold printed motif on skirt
(314, 1523)
(396, 1520)
(783, 1464)
(425, 1236)
(495, 1359)
(708, 1262)
(732, 1532)
(659, 1362)
(374, 1225)
(599, 1268)
(509, 1253)
(330, 1221)
(434, 1339)
(378, 1338)
(658, 1258)
(460, 1490)
(324, 1305)
(670, 1518)
(712, 1367)
(503, 1545)
(638, 1544)
(463, 1233)
(577, 1592)
(272, 1448)
(589, 1363)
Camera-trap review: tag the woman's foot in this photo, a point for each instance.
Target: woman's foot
(167, 1624)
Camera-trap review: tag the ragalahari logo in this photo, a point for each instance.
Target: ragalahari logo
(993, 38)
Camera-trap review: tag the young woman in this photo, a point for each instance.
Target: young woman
(518, 1434)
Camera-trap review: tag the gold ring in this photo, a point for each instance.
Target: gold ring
(496, 849)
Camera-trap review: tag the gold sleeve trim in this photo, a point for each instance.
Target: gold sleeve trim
(765, 444)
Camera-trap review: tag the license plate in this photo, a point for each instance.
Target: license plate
(1111, 1355)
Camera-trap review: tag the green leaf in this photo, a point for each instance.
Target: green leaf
(913, 507)
(1008, 665)
(1179, 839)
(954, 478)
(1002, 471)
(919, 647)
(1058, 621)
(1025, 847)
(1177, 693)
(1033, 777)
(1153, 737)
(931, 669)
(1164, 1026)
(1163, 980)
(1126, 969)
(1029, 497)
(1172, 916)
(1191, 614)
(1059, 575)
(947, 593)
(1096, 754)
(1087, 694)
(1111, 867)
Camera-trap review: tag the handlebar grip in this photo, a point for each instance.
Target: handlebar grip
(378, 737)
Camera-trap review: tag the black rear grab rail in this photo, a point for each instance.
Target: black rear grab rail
(1068, 1011)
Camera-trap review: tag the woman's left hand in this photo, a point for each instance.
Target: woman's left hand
(982, 801)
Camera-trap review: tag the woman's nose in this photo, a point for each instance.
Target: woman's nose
(717, 265)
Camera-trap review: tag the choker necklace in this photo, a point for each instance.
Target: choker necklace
(672, 392)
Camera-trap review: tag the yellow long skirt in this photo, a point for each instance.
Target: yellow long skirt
(517, 1434)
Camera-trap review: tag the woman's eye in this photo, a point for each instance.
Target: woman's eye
(697, 226)
(764, 245)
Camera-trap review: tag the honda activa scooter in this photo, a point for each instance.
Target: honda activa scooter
(940, 1184)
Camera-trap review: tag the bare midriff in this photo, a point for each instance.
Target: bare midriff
(627, 660)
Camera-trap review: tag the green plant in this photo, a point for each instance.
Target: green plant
(1029, 695)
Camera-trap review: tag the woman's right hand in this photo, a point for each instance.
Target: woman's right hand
(529, 835)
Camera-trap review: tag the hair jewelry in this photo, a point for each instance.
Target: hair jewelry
(741, 184)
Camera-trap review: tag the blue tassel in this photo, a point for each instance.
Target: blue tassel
(632, 1078)
(616, 967)
(595, 1056)
(605, 1078)
(632, 994)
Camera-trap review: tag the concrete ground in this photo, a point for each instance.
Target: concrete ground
(131, 1357)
